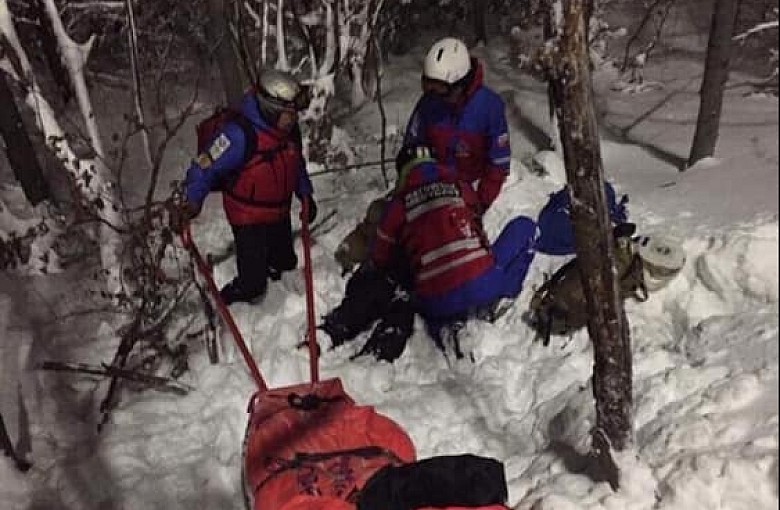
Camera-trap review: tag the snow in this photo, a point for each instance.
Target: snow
(705, 346)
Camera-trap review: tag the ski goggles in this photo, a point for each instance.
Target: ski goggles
(435, 87)
(299, 103)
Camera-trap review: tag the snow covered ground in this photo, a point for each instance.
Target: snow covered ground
(705, 347)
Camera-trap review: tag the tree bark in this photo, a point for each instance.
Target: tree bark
(480, 29)
(218, 32)
(19, 147)
(607, 326)
(716, 73)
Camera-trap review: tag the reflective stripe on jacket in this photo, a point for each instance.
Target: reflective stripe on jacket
(432, 217)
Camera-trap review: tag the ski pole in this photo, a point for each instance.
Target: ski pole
(189, 244)
(311, 326)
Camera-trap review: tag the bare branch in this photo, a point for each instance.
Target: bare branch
(157, 382)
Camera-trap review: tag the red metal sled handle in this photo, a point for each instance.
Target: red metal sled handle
(314, 369)
(189, 244)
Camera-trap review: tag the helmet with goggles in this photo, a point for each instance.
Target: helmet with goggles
(447, 61)
(278, 91)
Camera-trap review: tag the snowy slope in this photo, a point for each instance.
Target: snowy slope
(705, 347)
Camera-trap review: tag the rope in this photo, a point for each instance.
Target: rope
(189, 244)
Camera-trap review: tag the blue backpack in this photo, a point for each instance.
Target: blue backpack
(556, 234)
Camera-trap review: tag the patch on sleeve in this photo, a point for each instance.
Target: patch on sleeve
(203, 160)
(503, 140)
(219, 146)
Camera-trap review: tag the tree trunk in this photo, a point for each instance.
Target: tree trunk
(218, 31)
(716, 73)
(19, 147)
(607, 326)
(282, 62)
(550, 32)
(478, 8)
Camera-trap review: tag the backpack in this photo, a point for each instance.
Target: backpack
(556, 234)
(559, 306)
(209, 127)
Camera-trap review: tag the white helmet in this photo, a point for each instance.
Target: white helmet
(448, 60)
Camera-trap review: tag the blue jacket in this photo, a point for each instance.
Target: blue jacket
(472, 137)
(225, 159)
(555, 227)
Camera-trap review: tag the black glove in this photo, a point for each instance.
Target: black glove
(389, 337)
(339, 332)
(181, 215)
(386, 343)
(312, 209)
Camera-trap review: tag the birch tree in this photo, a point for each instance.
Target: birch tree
(89, 175)
(218, 31)
(569, 66)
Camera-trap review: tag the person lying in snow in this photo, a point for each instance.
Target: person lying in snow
(432, 222)
(643, 263)
(556, 233)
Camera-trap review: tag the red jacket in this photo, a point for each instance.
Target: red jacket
(432, 217)
(263, 190)
(256, 191)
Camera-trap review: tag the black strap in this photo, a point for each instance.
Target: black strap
(365, 452)
(301, 459)
(250, 135)
(309, 402)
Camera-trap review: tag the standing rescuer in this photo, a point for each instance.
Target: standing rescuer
(255, 159)
(462, 120)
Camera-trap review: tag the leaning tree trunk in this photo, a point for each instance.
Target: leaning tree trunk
(607, 325)
(218, 31)
(19, 147)
(478, 8)
(90, 175)
(716, 73)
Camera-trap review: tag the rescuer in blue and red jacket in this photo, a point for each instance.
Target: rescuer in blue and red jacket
(257, 184)
(462, 120)
(433, 218)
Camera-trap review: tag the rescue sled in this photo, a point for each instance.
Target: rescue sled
(313, 440)
(309, 446)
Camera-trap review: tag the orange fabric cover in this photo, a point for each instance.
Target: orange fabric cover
(278, 431)
(317, 503)
(321, 503)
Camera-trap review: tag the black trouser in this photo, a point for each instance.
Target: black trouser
(260, 249)
(372, 295)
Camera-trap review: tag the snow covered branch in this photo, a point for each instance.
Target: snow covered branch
(90, 175)
(769, 25)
